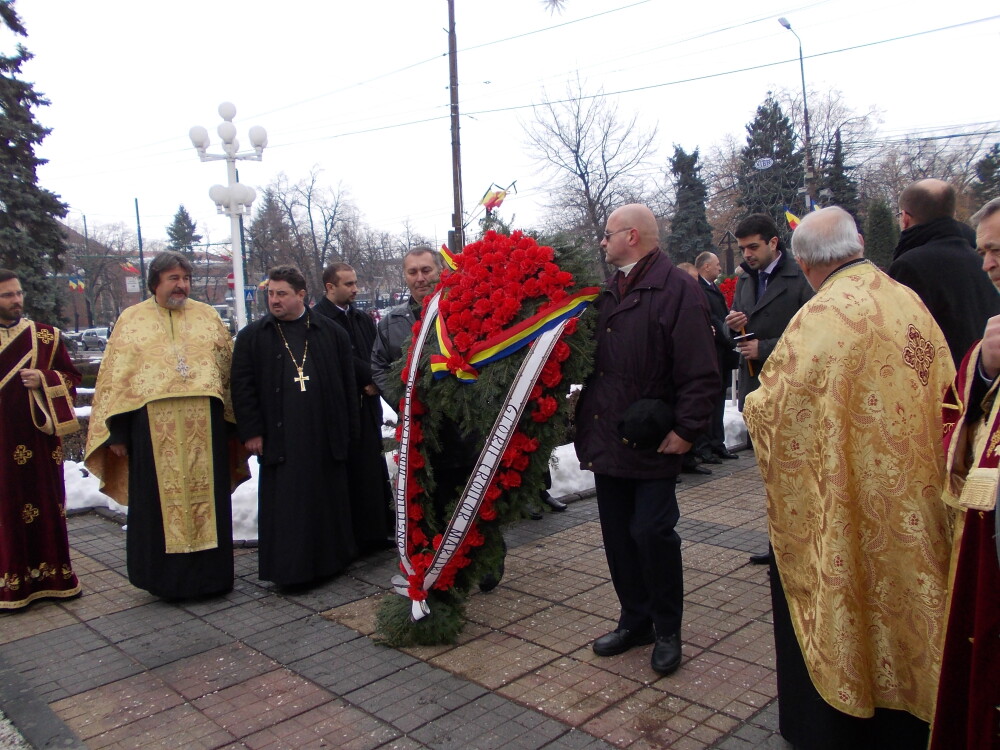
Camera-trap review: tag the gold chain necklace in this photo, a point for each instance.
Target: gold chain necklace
(302, 377)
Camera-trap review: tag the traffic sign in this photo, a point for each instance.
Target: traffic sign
(249, 294)
(229, 281)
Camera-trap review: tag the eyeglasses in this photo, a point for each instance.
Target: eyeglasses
(607, 234)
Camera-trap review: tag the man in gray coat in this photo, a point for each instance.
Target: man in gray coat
(421, 272)
(768, 294)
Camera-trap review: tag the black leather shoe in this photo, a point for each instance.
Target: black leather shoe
(711, 460)
(557, 505)
(534, 513)
(764, 559)
(725, 453)
(666, 655)
(621, 640)
(695, 469)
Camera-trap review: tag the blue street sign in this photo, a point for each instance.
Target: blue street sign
(249, 294)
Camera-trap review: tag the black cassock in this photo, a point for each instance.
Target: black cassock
(371, 493)
(174, 575)
(304, 518)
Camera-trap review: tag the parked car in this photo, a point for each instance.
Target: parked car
(94, 338)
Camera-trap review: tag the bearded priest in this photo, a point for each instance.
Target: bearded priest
(161, 437)
(847, 429)
(37, 380)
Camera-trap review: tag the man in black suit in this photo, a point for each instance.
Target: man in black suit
(768, 294)
(713, 446)
(370, 493)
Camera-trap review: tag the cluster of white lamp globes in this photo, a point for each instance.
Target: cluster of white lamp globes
(236, 198)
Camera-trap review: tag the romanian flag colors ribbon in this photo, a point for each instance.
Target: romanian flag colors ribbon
(448, 258)
(792, 219)
(505, 342)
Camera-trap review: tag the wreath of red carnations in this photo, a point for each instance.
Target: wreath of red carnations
(496, 283)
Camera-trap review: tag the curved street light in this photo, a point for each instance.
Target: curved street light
(807, 182)
(236, 198)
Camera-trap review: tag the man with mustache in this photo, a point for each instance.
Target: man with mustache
(36, 404)
(161, 437)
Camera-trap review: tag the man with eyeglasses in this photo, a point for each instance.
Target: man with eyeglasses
(37, 381)
(936, 258)
(649, 396)
(768, 294)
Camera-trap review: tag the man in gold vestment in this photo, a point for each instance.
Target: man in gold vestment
(847, 427)
(159, 439)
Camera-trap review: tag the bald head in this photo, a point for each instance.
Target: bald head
(926, 200)
(631, 233)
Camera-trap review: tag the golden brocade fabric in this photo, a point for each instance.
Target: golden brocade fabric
(847, 430)
(181, 432)
(155, 353)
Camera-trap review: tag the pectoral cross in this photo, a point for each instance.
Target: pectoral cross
(301, 379)
(182, 367)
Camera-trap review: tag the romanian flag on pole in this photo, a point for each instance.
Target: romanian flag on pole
(792, 219)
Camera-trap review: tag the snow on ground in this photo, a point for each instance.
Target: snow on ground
(567, 478)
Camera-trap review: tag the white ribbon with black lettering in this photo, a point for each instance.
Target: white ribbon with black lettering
(467, 508)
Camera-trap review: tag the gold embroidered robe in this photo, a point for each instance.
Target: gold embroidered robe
(172, 362)
(847, 429)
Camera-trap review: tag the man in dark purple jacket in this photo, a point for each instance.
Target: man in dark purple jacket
(654, 341)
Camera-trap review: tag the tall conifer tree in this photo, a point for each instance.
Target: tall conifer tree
(837, 179)
(183, 232)
(881, 233)
(987, 184)
(31, 240)
(690, 232)
(770, 170)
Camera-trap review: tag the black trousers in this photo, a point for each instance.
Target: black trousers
(643, 549)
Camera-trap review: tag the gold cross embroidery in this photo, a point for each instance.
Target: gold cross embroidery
(22, 454)
(29, 513)
(44, 336)
(57, 455)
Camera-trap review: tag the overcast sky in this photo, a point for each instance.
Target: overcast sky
(359, 89)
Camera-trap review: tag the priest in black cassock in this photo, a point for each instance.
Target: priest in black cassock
(371, 497)
(297, 410)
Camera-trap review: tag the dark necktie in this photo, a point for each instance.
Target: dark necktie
(762, 278)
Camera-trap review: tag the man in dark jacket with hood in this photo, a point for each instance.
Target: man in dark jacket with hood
(936, 258)
(655, 347)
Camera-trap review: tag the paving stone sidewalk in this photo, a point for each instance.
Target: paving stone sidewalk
(118, 668)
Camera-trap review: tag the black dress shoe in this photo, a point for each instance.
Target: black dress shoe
(557, 505)
(695, 469)
(534, 513)
(725, 453)
(711, 460)
(621, 640)
(666, 655)
(764, 559)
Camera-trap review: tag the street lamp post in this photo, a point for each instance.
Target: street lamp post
(805, 113)
(236, 198)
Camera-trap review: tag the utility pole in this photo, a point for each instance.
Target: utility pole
(457, 219)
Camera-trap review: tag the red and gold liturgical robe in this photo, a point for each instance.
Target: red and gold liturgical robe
(34, 547)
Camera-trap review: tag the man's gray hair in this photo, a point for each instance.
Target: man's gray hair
(421, 249)
(984, 213)
(826, 236)
(703, 258)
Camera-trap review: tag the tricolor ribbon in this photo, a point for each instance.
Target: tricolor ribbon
(469, 503)
(505, 342)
